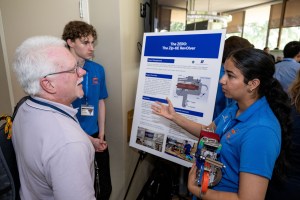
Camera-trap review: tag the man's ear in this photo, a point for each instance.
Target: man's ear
(70, 43)
(47, 86)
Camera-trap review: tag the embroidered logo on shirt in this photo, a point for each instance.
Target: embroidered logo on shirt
(227, 136)
(231, 133)
(95, 80)
(224, 118)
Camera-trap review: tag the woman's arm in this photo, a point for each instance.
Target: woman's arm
(168, 112)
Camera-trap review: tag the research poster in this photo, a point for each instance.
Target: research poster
(185, 67)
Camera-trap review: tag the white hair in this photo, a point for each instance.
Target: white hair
(32, 61)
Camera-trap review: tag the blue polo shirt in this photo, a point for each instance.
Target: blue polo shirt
(286, 72)
(94, 88)
(250, 143)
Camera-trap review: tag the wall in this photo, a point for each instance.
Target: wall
(22, 19)
(120, 28)
(5, 105)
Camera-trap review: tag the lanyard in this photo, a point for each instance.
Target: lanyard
(86, 87)
(53, 107)
(229, 125)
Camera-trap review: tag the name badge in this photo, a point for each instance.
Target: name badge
(87, 110)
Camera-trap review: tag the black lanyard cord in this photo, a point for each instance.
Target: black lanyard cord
(53, 107)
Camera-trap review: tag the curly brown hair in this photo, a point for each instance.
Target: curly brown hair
(78, 29)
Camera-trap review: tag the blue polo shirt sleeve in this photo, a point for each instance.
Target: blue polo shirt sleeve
(260, 148)
(103, 91)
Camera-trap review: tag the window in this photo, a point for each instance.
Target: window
(289, 34)
(256, 25)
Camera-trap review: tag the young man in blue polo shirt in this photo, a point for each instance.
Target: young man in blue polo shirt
(80, 38)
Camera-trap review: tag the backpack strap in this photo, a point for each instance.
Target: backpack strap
(9, 119)
(21, 101)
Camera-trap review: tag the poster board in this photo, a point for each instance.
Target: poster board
(185, 67)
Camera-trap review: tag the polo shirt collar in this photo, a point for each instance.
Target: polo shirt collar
(70, 110)
(252, 109)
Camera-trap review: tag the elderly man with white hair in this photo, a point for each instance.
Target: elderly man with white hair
(55, 157)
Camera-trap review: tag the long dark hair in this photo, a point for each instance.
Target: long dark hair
(256, 64)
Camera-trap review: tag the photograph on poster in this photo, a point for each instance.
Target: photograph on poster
(149, 139)
(181, 148)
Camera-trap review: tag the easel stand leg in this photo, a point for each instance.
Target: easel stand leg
(141, 157)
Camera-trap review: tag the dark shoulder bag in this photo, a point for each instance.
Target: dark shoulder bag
(9, 175)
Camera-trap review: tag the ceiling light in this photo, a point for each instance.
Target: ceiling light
(212, 17)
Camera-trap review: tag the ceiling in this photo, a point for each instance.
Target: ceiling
(216, 5)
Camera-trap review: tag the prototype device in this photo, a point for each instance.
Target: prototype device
(209, 171)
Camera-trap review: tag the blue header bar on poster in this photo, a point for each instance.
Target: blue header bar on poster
(184, 46)
(158, 60)
(166, 76)
(179, 110)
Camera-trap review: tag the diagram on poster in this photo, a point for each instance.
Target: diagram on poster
(193, 90)
(184, 67)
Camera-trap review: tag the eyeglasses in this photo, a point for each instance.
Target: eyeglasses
(73, 70)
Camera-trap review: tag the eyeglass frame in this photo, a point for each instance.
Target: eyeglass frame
(73, 70)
